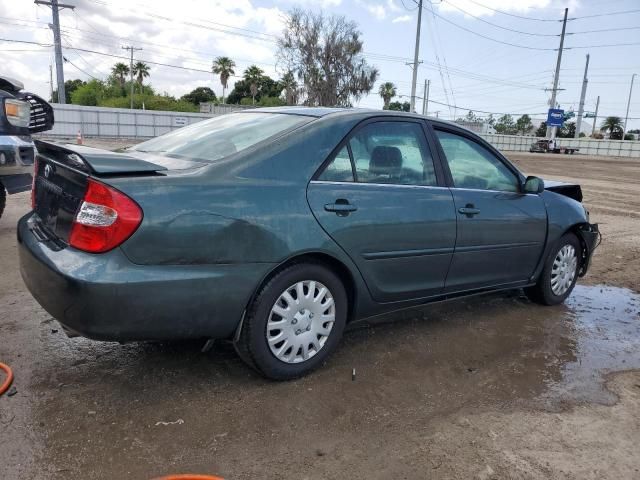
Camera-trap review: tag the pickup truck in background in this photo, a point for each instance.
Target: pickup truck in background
(542, 146)
(21, 114)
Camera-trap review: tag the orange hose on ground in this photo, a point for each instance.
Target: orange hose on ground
(7, 381)
(188, 476)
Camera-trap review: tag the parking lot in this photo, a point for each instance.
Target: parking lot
(487, 387)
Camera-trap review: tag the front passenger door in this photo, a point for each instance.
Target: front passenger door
(501, 231)
(382, 199)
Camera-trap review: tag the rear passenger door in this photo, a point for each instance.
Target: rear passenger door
(382, 198)
(501, 231)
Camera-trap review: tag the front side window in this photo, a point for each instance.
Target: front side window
(473, 166)
(222, 136)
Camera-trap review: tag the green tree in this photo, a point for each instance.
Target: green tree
(290, 87)
(387, 91)
(505, 125)
(613, 125)
(224, 67)
(91, 93)
(326, 55)
(524, 125)
(70, 86)
(120, 71)
(140, 71)
(542, 130)
(199, 95)
(253, 75)
(568, 130)
(400, 106)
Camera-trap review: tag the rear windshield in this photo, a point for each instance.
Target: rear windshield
(222, 136)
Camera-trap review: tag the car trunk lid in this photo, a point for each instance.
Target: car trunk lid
(61, 176)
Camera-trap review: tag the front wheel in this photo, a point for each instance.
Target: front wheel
(559, 274)
(295, 322)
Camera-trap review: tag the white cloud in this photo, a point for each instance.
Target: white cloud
(375, 9)
(105, 27)
(402, 19)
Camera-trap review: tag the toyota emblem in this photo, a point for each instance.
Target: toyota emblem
(48, 171)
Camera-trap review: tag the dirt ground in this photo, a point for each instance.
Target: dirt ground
(488, 387)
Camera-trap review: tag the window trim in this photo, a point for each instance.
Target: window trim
(433, 126)
(441, 180)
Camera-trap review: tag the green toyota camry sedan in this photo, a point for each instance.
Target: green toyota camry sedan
(275, 228)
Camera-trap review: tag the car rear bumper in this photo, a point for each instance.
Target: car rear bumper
(106, 297)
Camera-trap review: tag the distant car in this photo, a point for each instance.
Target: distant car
(274, 228)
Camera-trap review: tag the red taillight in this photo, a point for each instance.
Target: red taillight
(33, 184)
(106, 218)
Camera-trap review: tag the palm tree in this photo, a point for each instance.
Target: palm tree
(290, 87)
(120, 70)
(252, 76)
(224, 67)
(387, 91)
(141, 71)
(613, 125)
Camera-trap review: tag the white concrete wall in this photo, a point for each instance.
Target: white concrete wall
(588, 146)
(122, 122)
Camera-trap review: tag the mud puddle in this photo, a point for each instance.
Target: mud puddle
(605, 327)
(169, 405)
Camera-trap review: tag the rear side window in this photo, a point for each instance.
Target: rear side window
(339, 170)
(222, 136)
(385, 152)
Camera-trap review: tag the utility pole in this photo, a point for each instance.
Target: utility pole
(551, 131)
(626, 117)
(425, 97)
(51, 82)
(55, 9)
(131, 48)
(415, 59)
(582, 95)
(595, 116)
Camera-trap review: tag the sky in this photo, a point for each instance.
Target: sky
(498, 59)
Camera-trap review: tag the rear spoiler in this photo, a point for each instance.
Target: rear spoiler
(94, 160)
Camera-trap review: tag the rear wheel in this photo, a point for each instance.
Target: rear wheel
(559, 274)
(295, 322)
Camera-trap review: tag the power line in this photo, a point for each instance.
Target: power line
(77, 67)
(517, 45)
(605, 14)
(500, 26)
(514, 15)
(603, 30)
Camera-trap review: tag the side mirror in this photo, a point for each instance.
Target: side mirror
(533, 185)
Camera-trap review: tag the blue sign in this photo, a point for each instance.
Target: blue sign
(555, 118)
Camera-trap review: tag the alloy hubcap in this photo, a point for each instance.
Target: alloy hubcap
(300, 321)
(564, 270)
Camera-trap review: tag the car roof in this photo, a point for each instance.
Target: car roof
(361, 112)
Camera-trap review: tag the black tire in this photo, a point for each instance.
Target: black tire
(252, 345)
(542, 291)
(3, 199)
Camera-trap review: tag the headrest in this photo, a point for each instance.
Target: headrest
(385, 161)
